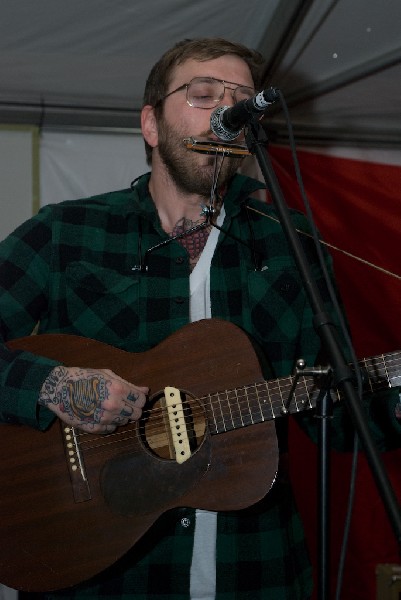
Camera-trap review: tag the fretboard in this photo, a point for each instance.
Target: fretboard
(267, 400)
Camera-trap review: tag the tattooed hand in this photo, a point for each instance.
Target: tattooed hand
(95, 400)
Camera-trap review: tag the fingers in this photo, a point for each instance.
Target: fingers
(134, 394)
(128, 414)
(124, 404)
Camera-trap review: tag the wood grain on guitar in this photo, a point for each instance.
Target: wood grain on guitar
(72, 503)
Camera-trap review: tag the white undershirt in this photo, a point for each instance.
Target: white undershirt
(203, 567)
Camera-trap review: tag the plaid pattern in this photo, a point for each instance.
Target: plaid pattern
(70, 268)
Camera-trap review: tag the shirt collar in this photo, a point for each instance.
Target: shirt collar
(239, 188)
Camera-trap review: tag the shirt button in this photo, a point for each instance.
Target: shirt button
(179, 260)
(185, 522)
(180, 300)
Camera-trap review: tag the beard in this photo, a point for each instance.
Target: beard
(192, 172)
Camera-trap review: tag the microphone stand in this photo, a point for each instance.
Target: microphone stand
(256, 140)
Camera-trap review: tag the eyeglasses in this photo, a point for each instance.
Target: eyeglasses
(207, 92)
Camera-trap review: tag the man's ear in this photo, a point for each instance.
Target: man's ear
(149, 125)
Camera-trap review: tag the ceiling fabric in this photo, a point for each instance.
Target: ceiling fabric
(84, 64)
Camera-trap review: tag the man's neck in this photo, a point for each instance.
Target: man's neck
(181, 215)
(174, 206)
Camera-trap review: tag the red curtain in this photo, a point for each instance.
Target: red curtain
(357, 208)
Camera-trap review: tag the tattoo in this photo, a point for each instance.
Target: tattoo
(132, 397)
(81, 398)
(48, 392)
(126, 413)
(193, 242)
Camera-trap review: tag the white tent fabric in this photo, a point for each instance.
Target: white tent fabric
(77, 165)
(16, 176)
(336, 61)
(7, 593)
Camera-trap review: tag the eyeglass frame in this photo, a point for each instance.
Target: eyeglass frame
(223, 81)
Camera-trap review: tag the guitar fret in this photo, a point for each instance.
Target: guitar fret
(252, 404)
(385, 369)
(394, 373)
(310, 386)
(283, 406)
(249, 410)
(265, 407)
(237, 416)
(267, 400)
(258, 398)
(297, 391)
(231, 417)
(221, 416)
(276, 398)
(370, 383)
(270, 405)
(243, 417)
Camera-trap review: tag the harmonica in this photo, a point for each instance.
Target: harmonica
(214, 147)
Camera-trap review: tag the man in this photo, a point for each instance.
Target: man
(131, 267)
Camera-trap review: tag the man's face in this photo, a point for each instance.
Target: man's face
(193, 172)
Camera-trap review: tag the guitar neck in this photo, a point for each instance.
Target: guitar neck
(382, 371)
(267, 400)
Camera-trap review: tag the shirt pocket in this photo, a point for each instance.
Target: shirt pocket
(102, 303)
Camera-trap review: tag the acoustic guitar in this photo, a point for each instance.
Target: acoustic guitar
(72, 503)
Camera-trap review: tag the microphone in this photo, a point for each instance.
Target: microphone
(227, 122)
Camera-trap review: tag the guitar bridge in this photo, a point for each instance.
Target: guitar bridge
(76, 467)
(178, 428)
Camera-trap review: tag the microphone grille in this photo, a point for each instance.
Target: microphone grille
(217, 127)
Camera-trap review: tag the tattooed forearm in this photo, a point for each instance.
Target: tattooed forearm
(80, 396)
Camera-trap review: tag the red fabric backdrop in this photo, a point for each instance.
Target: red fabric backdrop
(357, 207)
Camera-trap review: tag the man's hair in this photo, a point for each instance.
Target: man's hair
(201, 49)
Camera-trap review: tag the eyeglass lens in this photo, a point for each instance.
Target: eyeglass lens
(206, 92)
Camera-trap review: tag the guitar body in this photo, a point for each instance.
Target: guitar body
(59, 527)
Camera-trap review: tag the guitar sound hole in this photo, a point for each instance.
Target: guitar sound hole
(155, 429)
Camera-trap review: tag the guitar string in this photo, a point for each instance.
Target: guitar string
(245, 401)
(247, 392)
(247, 397)
(250, 398)
(336, 248)
(124, 437)
(158, 425)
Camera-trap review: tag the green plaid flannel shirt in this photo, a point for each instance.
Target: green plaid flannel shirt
(70, 269)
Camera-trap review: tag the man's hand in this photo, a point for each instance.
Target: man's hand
(94, 400)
